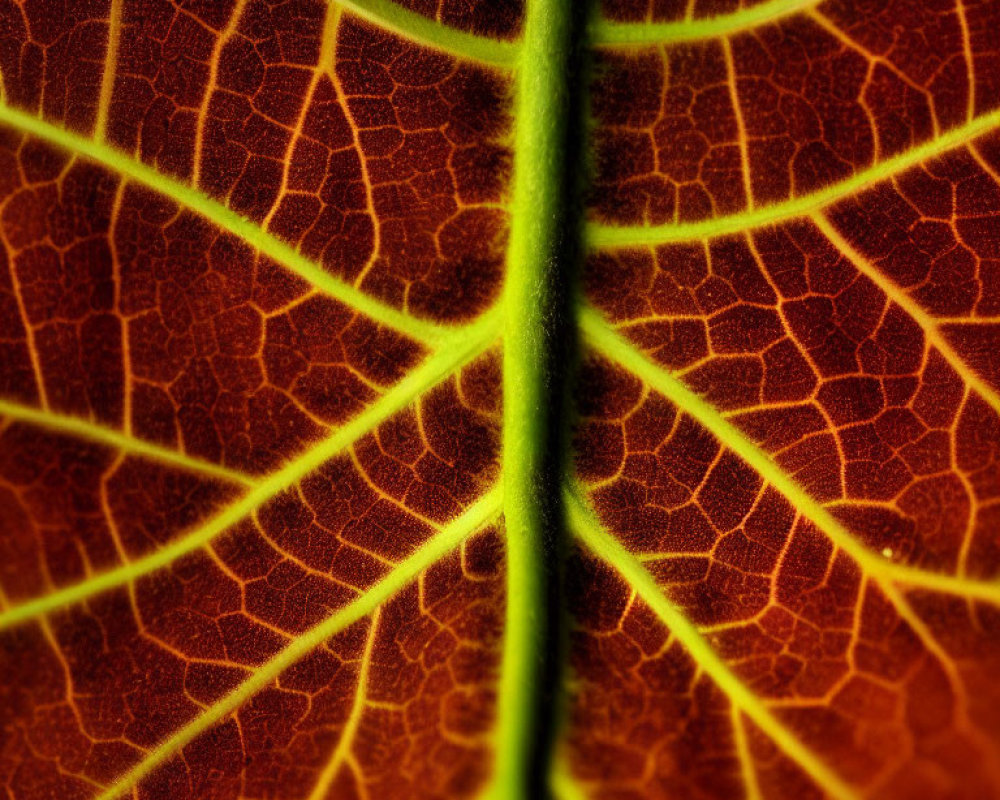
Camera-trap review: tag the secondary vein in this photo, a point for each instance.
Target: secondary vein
(431, 33)
(432, 551)
(85, 429)
(609, 550)
(603, 235)
(619, 349)
(247, 231)
(436, 368)
(608, 33)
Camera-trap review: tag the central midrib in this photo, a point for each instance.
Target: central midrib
(538, 266)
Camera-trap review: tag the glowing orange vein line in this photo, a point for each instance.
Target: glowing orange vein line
(601, 235)
(590, 531)
(900, 297)
(343, 748)
(623, 352)
(110, 68)
(213, 72)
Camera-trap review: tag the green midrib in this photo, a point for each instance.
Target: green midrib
(530, 303)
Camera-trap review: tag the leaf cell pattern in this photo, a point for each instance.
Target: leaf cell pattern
(258, 426)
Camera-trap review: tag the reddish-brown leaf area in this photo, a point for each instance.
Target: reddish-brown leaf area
(896, 703)
(811, 99)
(96, 687)
(497, 19)
(137, 313)
(252, 431)
(386, 164)
(92, 689)
(824, 522)
(125, 309)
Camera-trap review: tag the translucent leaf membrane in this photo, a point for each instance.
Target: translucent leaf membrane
(692, 130)
(381, 160)
(250, 536)
(129, 310)
(870, 377)
(255, 510)
(398, 704)
(97, 686)
(788, 444)
(881, 679)
(498, 19)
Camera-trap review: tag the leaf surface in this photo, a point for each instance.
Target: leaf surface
(282, 330)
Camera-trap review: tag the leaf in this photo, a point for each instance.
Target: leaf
(283, 335)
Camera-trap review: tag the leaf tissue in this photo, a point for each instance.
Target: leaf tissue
(297, 297)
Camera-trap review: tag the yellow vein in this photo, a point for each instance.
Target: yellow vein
(615, 346)
(225, 218)
(745, 756)
(431, 33)
(563, 785)
(432, 551)
(587, 528)
(110, 69)
(342, 750)
(901, 298)
(468, 345)
(76, 426)
(602, 235)
(606, 32)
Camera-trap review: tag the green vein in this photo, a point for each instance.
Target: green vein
(985, 590)
(467, 345)
(75, 426)
(605, 546)
(564, 785)
(601, 235)
(432, 551)
(615, 346)
(225, 218)
(534, 263)
(431, 33)
(607, 32)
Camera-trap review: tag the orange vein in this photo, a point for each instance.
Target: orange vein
(110, 68)
(326, 49)
(901, 298)
(590, 531)
(741, 129)
(213, 73)
(346, 739)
